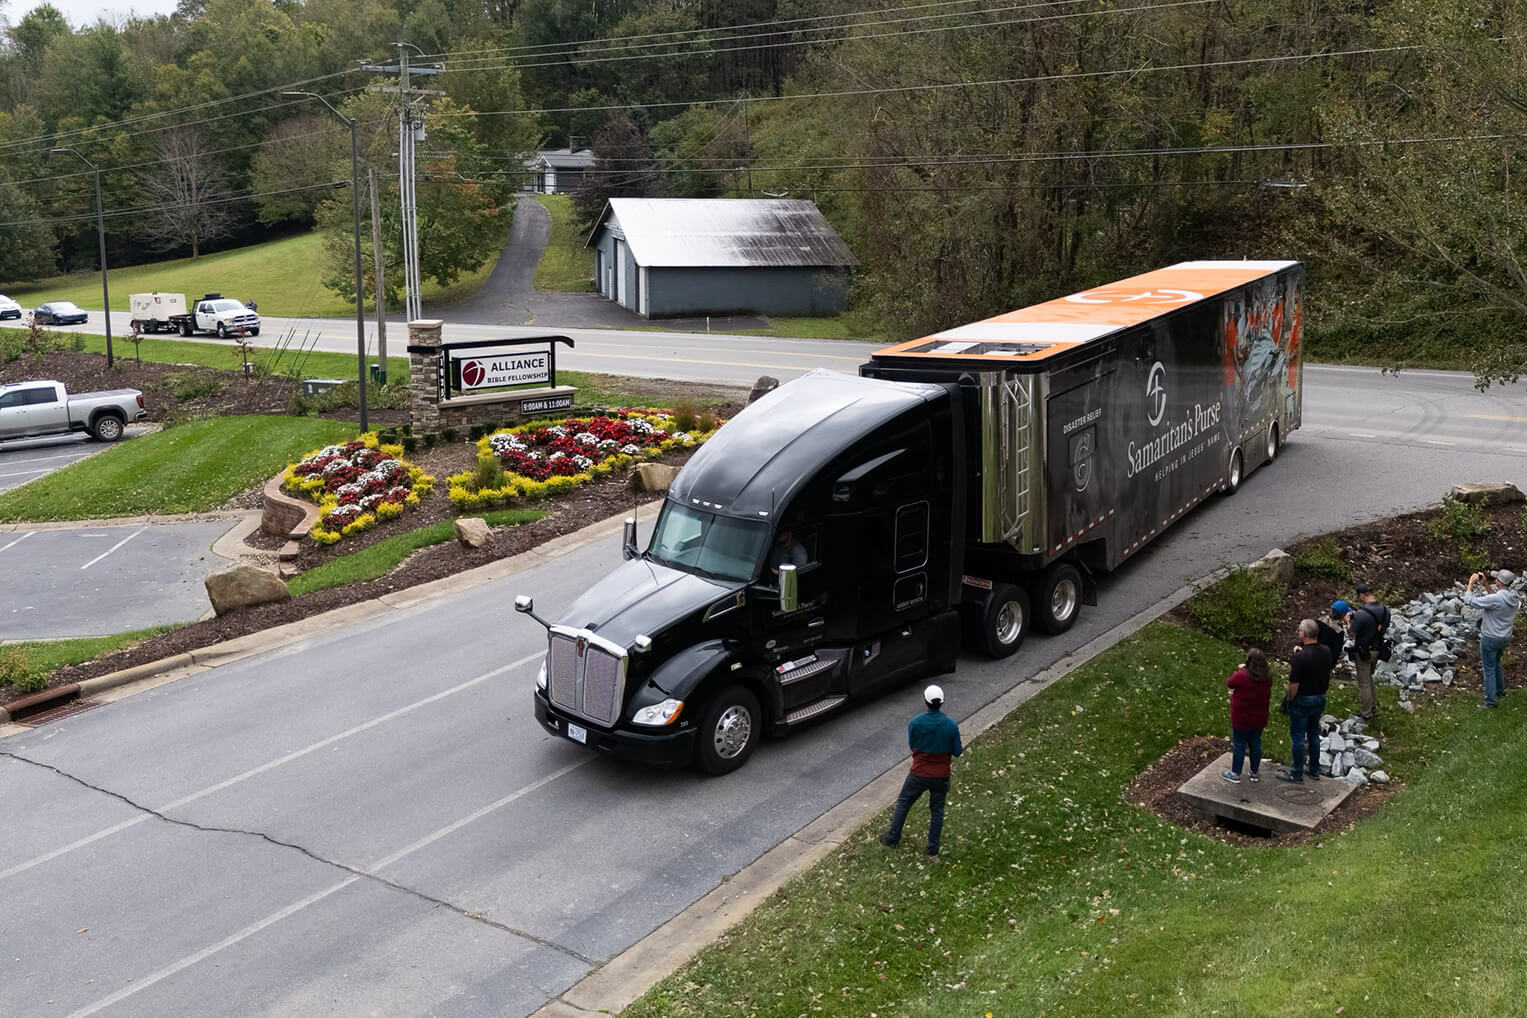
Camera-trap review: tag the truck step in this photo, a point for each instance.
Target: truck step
(810, 711)
(795, 671)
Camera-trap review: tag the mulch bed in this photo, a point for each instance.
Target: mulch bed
(1156, 790)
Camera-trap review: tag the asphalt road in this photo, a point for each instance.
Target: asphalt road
(372, 822)
(95, 581)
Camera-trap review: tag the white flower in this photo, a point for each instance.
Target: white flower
(631, 449)
(582, 462)
(555, 456)
(585, 438)
(608, 444)
(641, 427)
(556, 429)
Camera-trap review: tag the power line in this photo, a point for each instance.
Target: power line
(170, 206)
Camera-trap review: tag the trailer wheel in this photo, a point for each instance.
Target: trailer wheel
(185, 328)
(1233, 474)
(1272, 442)
(729, 730)
(1003, 622)
(1059, 598)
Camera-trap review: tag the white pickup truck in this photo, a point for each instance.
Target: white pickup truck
(217, 314)
(28, 409)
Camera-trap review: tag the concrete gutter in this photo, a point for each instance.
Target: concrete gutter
(617, 983)
(154, 673)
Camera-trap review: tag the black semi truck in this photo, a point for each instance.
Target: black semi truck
(843, 535)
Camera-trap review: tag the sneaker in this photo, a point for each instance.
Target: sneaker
(1253, 776)
(885, 839)
(933, 852)
(1313, 775)
(1230, 776)
(1485, 706)
(1287, 775)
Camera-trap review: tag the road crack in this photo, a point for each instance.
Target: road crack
(355, 871)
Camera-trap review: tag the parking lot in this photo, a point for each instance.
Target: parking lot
(93, 581)
(27, 459)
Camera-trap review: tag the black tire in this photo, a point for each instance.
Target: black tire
(729, 731)
(1272, 442)
(1003, 621)
(1234, 474)
(1058, 598)
(106, 428)
(185, 328)
(255, 331)
(222, 333)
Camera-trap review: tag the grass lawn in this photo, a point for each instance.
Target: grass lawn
(381, 558)
(224, 355)
(280, 275)
(40, 658)
(192, 468)
(565, 264)
(848, 325)
(1055, 896)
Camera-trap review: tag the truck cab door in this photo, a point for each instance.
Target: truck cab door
(793, 635)
(13, 413)
(47, 410)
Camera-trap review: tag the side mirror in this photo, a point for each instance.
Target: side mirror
(524, 604)
(789, 589)
(628, 539)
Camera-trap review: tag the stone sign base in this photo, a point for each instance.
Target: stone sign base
(505, 407)
(1269, 804)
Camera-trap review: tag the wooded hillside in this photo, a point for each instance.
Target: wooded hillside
(976, 154)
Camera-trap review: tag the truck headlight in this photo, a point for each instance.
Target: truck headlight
(541, 675)
(659, 714)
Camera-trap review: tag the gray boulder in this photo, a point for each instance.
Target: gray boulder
(1379, 777)
(765, 385)
(1487, 493)
(244, 585)
(473, 532)
(1363, 758)
(1277, 566)
(653, 476)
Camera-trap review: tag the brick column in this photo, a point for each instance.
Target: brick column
(423, 368)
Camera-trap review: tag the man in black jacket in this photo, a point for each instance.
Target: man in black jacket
(1368, 625)
(1334, 637)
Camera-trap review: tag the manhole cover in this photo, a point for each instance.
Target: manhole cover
(1298, 795)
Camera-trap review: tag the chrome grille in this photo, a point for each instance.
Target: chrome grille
(586, 675)
(562, 671)
(601, 685)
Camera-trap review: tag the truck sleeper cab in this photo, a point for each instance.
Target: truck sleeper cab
(843, 535)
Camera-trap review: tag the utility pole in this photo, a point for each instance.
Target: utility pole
(100, 236)
(376, 257)
(408, 130)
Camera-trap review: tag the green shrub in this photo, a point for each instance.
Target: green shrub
(346, 396)
(16, 670)
(449, 435)
(706, 421)
(684, 416)
(410, 444)
(430, 439)
(488, 474)
(189, 385)
(12, 344)
(475, 432)
(1465, 527)
(1241, 608)
(1322, 557)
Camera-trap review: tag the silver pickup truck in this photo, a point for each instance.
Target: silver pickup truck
(45, 408)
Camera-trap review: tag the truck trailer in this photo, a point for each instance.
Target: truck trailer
(845, 534)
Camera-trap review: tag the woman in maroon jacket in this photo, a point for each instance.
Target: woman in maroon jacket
(1250, 690)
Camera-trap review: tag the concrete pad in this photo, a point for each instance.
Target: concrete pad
(1269, 804)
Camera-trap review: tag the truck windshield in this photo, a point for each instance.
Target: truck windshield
(702, 542)
(227, 305)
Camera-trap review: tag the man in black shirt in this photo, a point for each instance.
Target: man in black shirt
(1369, 624)
(1309, 676)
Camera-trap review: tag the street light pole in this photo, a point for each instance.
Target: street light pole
(355, 206)
(100, 233)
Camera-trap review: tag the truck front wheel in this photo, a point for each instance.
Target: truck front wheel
(107, 428)
(1059, 596)
(729, 730)
(222, 331)
(185, 328)
(1003, 622)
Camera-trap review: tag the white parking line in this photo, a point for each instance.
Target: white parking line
(113, 548)
(18, 540)
(41, 459)
(1361, 434)
(1433, 441)
(26, 473)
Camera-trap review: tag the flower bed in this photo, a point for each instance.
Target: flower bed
(356, 485)
(540, 459)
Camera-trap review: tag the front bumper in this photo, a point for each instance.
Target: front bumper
(666, 748)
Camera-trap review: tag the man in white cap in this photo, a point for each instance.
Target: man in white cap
(933, 738)
(1500, 607)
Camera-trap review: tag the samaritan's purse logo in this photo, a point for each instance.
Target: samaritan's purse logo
(472, 372)
(1155, 392)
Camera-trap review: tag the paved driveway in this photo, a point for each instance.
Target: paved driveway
(95, 581)
(28, 459)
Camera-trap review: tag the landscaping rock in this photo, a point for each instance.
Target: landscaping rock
(244, 585)
(1379, 778)
(473, 532)
(653, 476)
(1365, 758)
(1277, 566)
(765, 385)
(1497, 493)
(1357, 777)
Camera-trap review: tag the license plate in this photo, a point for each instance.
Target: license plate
(577, 733)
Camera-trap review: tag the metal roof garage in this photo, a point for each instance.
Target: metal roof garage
(663, 257)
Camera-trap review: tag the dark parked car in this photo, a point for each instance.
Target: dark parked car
(59, 312)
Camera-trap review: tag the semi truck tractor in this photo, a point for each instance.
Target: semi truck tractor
(846, 534)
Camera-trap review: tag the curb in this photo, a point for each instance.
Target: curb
(617, 983)
(228, 546)
(190, 662)
(121, 521)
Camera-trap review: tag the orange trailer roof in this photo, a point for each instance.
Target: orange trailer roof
(1044, 330)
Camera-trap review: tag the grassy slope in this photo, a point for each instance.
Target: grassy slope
(1055, 896)
(565, 264)
(281, 275)
(381, 558)
(45, 656)
(192, 468)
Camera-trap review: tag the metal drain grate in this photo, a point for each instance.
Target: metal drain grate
(63, 710)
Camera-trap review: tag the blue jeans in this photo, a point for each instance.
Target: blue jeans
(911, 789)
(1304, 732)
(1490, 648)
(1240, 742)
